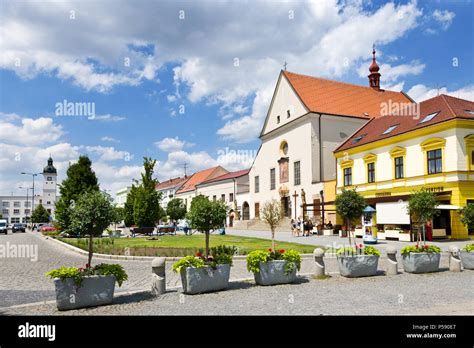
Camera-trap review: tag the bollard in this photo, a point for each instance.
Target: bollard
(392, 264)
(158, 283)
(454, 260)
(320, 269)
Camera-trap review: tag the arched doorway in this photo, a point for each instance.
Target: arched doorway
(245, 211)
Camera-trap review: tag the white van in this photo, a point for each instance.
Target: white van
(3, 226)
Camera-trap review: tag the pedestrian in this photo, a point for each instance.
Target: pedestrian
(310, 227)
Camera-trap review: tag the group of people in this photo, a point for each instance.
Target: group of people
(301, 226)
(305, 226)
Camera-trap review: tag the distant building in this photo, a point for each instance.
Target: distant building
(18, 209)
(168, 189)
(121, 196)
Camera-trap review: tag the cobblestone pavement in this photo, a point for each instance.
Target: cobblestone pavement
(22, 280)
(442, 293)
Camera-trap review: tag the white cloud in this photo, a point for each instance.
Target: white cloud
(108, 153)
(110, 139)
(391, 73)
(444, 18)
(421, 92)
(171, 98)
(172, 144)
(31, 131)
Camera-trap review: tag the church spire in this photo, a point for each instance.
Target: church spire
(374, 76)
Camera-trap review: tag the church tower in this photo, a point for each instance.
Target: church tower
(374, 76)
(49, 186)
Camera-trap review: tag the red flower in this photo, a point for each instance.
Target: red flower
(198, 254)
(270, 249)
(281, 251)
(416, 246)
(88, 266)
(426, 246)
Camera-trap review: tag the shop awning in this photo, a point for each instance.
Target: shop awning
(448, 207)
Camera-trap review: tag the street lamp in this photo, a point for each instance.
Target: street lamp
(27, 189)
(33, 196)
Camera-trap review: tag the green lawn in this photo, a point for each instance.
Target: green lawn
(180, 245)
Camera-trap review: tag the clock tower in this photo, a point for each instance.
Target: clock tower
(49, 187)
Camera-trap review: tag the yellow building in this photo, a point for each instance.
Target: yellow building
(429, 145)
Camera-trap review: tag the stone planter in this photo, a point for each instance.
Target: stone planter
(357, 265)
(273, 272)
(206, 279)
(421, 262)
(467, 258)
(93, 291)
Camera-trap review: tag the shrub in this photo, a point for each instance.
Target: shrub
(468, 247)
(78, 274)
(358, 250)
(420, 249)
(188, 261)
(261, 256)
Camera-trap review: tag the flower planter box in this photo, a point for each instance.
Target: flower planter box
(273, 272)
(421, 262)
(357, 265)
(206, 279)
(328, 232)
(93, 291)
(467, 258)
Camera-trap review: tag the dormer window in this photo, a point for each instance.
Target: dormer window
(470, 112)
(429, 117)
(278, 119)
(358, 138)
(390, 129)
(288, 113)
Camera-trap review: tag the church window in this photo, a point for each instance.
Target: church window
(288, 113)
(272, 179)
(283, 170)
(257, 184)
(297, 169)
(278, 119)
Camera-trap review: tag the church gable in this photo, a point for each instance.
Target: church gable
(285, 106)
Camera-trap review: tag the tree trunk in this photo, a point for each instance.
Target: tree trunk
(348, 225)
(424, 234)
(207, 244)
(273, 239)
(91, 250)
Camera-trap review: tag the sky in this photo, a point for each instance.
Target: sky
(188, 82)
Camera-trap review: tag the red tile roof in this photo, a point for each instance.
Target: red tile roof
(170, 183)
(227, 176)
(446, 107)
(340, 98)
(199, 177)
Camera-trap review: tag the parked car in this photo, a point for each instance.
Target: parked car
(37, 227)
(47, 228)
(3, 226)
(18, 228)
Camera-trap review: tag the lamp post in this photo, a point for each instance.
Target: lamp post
(33, 196)
(27, 189)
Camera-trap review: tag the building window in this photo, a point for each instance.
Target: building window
(6, 204)
(371, 172)
(398, 167)
(17, 204)
(297, 172)
(223, 197)
(27, 211)
(278, 119)
(257, 210)
(49, 178)
(257, 185)
(5, 212)
(272, 179)
(435, 161)
(288, 113)
(27, 204)
(16, 211)
(348, 176)
(214, 198)
(231, 197)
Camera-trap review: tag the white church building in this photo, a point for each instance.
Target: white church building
(307, 119)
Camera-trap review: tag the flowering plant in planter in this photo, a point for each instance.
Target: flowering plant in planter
(358, 261)
(79, 273)
(256, 257)
(468, 247)
(200, 261)
(358, 250)
(467, 256)
(420, 249)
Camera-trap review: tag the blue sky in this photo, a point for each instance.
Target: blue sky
(143, 62)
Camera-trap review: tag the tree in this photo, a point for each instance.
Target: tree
(350, 205)
(91, 215)
(422, 207)
(80, 178)
(40, 214)
(205, 215)
(119, 214)
(271, 214)
(146, 203)
(467, 216)
(176, 210)
(128, 218)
